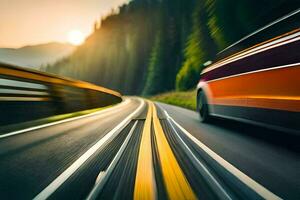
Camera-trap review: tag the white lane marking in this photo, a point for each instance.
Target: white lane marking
(221, 192)
(103, 176)
(65, 120)
(259, 189)
(55, 184)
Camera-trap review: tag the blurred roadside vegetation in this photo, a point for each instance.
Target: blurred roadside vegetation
(186, 99)
(147, 47)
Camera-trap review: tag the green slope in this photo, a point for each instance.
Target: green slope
(154, 46)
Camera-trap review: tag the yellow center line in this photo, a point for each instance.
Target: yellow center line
(145, 186)
(176, 184)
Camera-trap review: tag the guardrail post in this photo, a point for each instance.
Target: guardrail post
(57, 97)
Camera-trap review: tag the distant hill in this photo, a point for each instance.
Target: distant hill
(36, 55)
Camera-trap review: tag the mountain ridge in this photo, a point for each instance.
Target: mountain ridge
(34, 56)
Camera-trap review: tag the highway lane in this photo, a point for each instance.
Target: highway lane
(139, 150)
(271, 158)
(30, 161)
(169, 165)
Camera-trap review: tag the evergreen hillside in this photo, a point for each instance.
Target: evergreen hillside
(153, 46)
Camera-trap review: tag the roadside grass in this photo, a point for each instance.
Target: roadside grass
(24, 125)
(183, 99)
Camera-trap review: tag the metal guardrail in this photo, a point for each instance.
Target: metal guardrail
(29, 94)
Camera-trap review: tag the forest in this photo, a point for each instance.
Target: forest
(147, 47)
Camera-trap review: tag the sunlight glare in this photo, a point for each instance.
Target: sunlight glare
(75, 37)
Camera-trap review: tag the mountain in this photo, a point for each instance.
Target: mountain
(36, 55)
(153, 46)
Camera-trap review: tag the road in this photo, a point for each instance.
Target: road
(142, 150)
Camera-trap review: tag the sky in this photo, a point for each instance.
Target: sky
(29, 22)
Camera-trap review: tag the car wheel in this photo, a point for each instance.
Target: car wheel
(202, 107)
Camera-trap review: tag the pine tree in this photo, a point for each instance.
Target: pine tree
(155, 78)
(199, 48)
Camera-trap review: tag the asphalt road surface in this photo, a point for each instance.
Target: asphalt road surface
(142, 150)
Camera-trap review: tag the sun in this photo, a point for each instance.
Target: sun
(75, 37)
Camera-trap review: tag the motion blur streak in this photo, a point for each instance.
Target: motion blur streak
(175, 181)
(145, 186)
(261, 190)
(265, 92)
(54, 185)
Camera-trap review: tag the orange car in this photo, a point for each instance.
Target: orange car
(259, 85)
